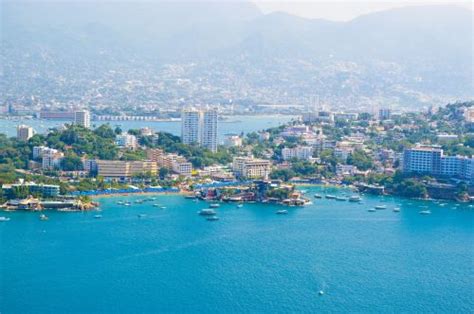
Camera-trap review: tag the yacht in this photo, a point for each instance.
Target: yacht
(141, 215)
(396, 209)
(3, 218)
(214, 205)
(371, 210)
(321, 292)
(120, 203)
(212, 218)
(128, 204)
(355, 198)
(341, 198)
(97, 216)
(43, 217)
(381, 207)
(331, 197)
(317, 196)
(282, 212)
(240, 205)
(207, 212)
(425, 212)
(156, 205)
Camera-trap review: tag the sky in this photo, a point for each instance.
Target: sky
(342, 10)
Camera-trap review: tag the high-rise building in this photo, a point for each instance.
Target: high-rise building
(24, 132)
(125, 140)
(385, 114)
(82, 118)
(251, 168)
(190, 126)
(200, 127)
(209, 130)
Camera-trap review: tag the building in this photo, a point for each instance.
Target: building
(209, 130)
(232, 140)
(299, 152)
(43, 190)
(124, 170)
(82, 118)
(57, 115)
(384, 114)
(251, 168)
(155, 155)
(125, 140)
(51, 159)
(24, 132)
(182, 167)
(345, 116)
(430, 160)
(190, 126)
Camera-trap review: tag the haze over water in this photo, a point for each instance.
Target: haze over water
(250, 260)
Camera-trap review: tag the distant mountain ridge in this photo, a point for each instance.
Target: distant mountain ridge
(426, 49)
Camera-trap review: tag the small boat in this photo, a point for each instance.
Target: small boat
(127, 204)
(330, 197)
(156, 205)
(163, 207)
(43, 217)
(240, 205)
(341, 198)
(190, 196)
(396, 209)
(381, 207)
(355, 198)
(321, 292)
(317, 196)
(97, 216)
(371, 210)
(3, 218)
(120, 203)
(212, 218)
(207, 212)
(304, 191)
(141, 215)
(214, 205)
(139, 201)
(282, 212)
(425, 212)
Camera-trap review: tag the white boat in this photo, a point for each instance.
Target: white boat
(240, 205)
(396, 209)
(214, 205)
(97, 216)
(341, 198)
(371, 210)
(425, 212)
(331, 197)
(317, 196)
(141, 215)
(355, 198)
(43, 217)
(282, 212)
(207, 212)
(156, 205)
(381, 207)
(212, 218)
(4, 218)
(120, 203)
(163, 207)
(321, 292)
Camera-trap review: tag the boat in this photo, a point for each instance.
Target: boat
(3, 218)
(207, 212)
(190, 197)
(127, 204)
(43, 217)
(330, 197)
(120, 203)
(214, 205)
(317, 196)
(396, 209)
(425, 212)
(355, 198)
(141, 215)
(163, 207)
(156, 205)
(240, 205)
(97, 216)
(282, 212)
(321, 292)
(341, 198)
(212, 218)
(381, 207)
(371, 210)
(304, 191)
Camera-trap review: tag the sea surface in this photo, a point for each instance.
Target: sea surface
(234, 124)
(251, 260)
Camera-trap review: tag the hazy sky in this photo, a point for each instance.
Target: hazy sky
(341, 10)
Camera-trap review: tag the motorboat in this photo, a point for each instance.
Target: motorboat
(282, 212)
(371, 210)
(163, 207)
(120, 203)
(141, 215)
(3, 218)
(341, 198)
(320, 292)
(381, 207)
(355, 198)
(156, 205)
(317, 196)
(97, 216)
(212, 218)
(396, 209)
(43, 217)
(425, 212)
(207, 212)
(240, 205)
(330, 197)
(214, 205)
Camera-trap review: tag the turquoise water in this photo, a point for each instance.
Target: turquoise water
(235, 124)
(251, 260)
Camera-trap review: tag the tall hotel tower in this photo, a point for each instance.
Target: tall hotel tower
(200, 127)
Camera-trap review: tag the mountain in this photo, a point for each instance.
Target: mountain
(413, 52)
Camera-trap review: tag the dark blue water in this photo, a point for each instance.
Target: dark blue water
(251, 260)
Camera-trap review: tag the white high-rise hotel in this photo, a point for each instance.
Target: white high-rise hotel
(200, 127)
(82, 118)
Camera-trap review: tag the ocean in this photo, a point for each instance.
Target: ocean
(251, 260)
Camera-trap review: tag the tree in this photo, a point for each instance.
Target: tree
(360, 159)
(163, 173)
(282, 174)
(71, 162)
